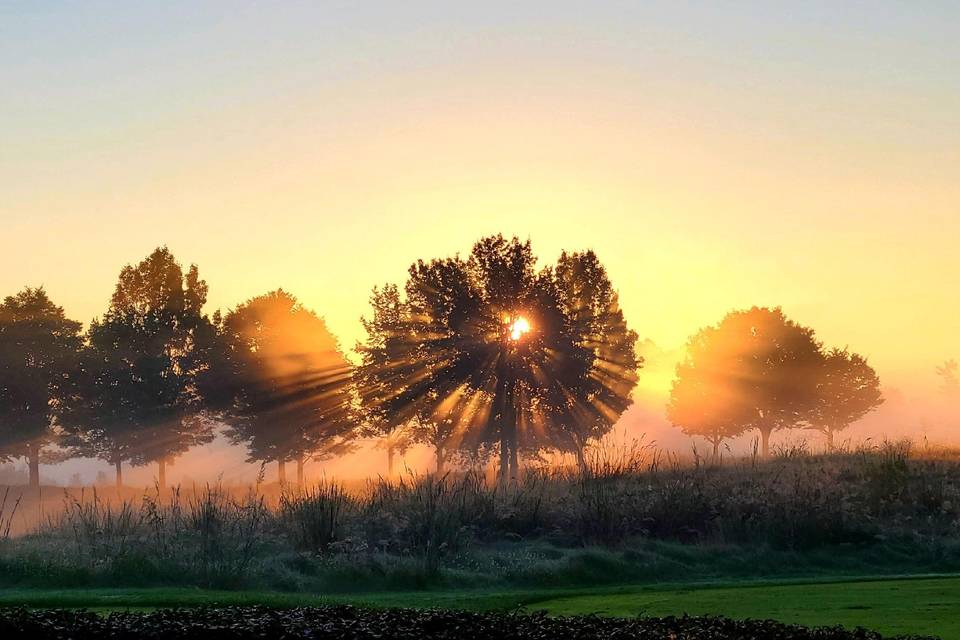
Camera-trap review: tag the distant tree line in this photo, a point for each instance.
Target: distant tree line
(483, 357)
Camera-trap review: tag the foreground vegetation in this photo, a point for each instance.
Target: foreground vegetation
(639, 533)
(635, 518)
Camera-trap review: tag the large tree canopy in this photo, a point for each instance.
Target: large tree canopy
(139, 401)
(492, 351)
(290, 385)
(39, 351)
(756, 369)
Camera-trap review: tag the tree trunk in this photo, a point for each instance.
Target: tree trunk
(716, 450)
(162, 474)
(33, 462)
(504, 425)
(390, 456)
(581, 460)
(829, 433)
(504, 471)
(300, 464)
(282, 472)
(510, 424)
(765, 442)
(440, 459)
(118, 465)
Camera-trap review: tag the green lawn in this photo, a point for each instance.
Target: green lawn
(891, 606)
(930, 606)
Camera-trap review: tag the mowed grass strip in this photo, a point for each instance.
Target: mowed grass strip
(892, 607)
(928, 606)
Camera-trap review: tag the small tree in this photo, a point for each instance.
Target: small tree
(705, 400)
(39, 353)
(756, 369)
(697, 408)
(949, 378)
(847, 389)
(394, 442)
(290, 386)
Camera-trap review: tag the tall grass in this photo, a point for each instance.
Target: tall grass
(208, 534)
(313, 517)
(426, 525)
(8, 509)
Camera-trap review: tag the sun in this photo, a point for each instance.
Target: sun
(519, 327)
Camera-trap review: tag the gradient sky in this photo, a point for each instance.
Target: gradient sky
(715, 155)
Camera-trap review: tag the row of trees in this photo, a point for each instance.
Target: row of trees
(155, 376)
(477, 356)
(759, 370)
(474, 355)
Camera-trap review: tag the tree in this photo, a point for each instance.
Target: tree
(593, 308)
(290, 386)
(489, 350)
(756, 369)
(847, 389)
(950, 380)
(139, 400)
(393, 408)
(386, 362)
(39, 352)
(705, 400)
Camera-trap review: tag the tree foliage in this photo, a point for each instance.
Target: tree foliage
(288, 382)
(139, 401)
(756, 369)
(39, 352)
(847, 389)
(491, 351)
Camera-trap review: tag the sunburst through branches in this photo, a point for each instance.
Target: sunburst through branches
(492, 354)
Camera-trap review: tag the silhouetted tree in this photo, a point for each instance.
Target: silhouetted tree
(290, 385)
(592, 308)
(138, 401)
(39, 358)
(388, 360)
(755, 370)
(393, 408)
(487, 351)
(847, 389)
(949, 378)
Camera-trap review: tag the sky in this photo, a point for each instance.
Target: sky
(715, 155)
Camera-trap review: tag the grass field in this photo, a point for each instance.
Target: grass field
(892, 606)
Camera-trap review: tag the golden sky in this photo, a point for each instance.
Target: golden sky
(714, 158)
